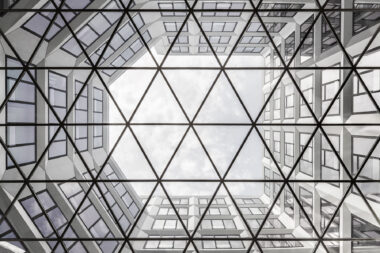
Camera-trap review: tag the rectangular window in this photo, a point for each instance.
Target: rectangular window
(267, 141)
(267, 110)
(39, 22)
(361, 101)
(58, 100)
(289, 149)
(172, 6)
(212, 5)
(329, 39)
(121, 190)
(361, 146)
(289, 203)
(7, 231)
(363, 229)
(330, 86)
(54, 217)
(290, 46)
(289, 101)
(306, 199)
(306, 162)
(98, 117)
(20, 108)
(175, 26)
(219, 26)
(215, 40)
(329, 162)
(277, 146)
(327, 211)
(168, 224)
(115, 207)
(307, 48)
(271, 27)
(306, 87)
(277, 104)
(81, 117)
(364, 19)
(97, 26)
(222, 244)
(267, 176)
(89, 215)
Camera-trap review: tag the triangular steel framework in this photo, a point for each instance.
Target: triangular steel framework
(94, 182)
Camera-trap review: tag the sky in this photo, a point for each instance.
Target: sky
(160, 106)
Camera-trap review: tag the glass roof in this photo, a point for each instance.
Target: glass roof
(192, 126)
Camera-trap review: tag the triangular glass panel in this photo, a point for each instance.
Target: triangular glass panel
(222, 143)
(159, 105)
(192, 87)
(159, 143)
(127, 92)
(191, 161)
(215, 109)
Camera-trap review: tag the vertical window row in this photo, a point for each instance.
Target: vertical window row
(81, 117)
(306, 87)
(21, 108)
(277, 146)
(289, 101)
(289, 149)
(329, 161)
(121, 190)
(306, 199)
(306, 162)
(89, 216)
(58, 100)
(330, 86)
(7, 231)
(56, 218)
(98, 117)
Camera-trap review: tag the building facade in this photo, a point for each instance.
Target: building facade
(318, 125)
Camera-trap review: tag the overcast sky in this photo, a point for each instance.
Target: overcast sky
(160, 106)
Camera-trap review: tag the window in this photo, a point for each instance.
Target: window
(306, 86)
(364, 230)
(81, 117)
(289, 149)
(290, 46)
(289, 203)
(307, 48)
(218, 26)
(271, 27)
(267, 176)
(289, 101)
(328, 38)
(222, 6)
(218, 224)
(277, 104)
(327, 211)
(180, 40)
(329, 162)
(249, 49)
(215, 40)
(20, 108)
(281, 243)
(89, 215)
(98, 117)
(164, 244)
(7, 231)
(39, 22)
(172, 6)
(215, 211)
(267, 111)
(115, 207)
(168, 224)
(364, 19)
(306, 199)
(306, 162)
(51, 215)
(361, 146)
(254, 40)
(330, 86)
(361, 100)
(121, 190)
(267, 141)
(98, 25)
(272, 13)
(277, 146)
(175, 26)
(222, 244)
(58, 100)
(170, 211)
